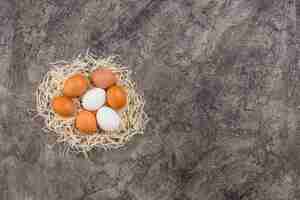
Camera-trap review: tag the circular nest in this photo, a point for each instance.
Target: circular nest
(133, 117)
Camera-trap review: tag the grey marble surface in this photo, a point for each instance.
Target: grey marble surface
(221, 81)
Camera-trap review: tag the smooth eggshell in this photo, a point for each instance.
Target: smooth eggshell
(116, 97)
(86, 122)
(108, 119)
(75, 85)
(93, 99)
(63, 106)
(103, 78)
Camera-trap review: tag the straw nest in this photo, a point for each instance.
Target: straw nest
(133, 117)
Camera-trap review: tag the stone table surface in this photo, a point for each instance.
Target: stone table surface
(221, 81)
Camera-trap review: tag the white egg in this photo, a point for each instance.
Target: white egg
(93, 99)
(108, 119)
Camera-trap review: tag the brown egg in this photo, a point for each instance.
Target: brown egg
(63, 106)
(86, 122)
(116, 97)
(75, 86)
(103, 78)
(94, 112)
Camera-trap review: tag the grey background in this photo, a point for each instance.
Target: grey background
(220, 78)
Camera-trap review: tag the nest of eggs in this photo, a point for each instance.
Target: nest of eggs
(132, 115)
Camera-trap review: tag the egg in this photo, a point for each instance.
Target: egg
(86, 122)
(103, 78)
(116, 97)
(63, 106)
(93, 99)
(75, 86)
(108, 119)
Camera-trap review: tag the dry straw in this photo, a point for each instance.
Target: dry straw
(133, 117)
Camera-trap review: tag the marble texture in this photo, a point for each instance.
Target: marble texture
(221, 81)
